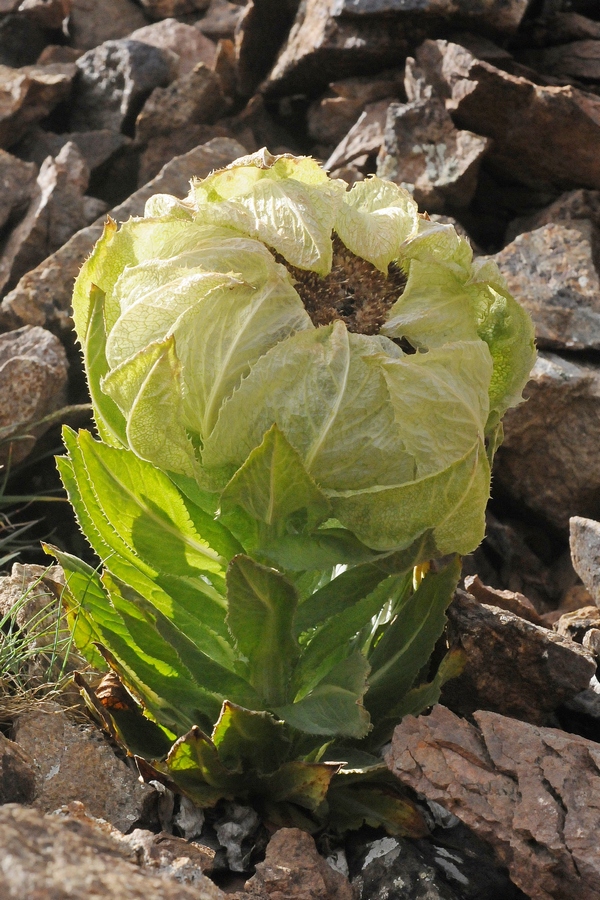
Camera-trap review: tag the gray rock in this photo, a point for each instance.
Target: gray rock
(365, 138)
(220, 20)
(74, 762)
(169, 856)
(187, 42)
(21, 41)
(28, 94)
(569, 207)
(114, 80)
(549, 458)
(17, 184)
(94, 21)
(33, 381)
(17, 773)
(260, 32)
(162, 148)
(44, 294)
(552, 273)
(503, 15)
(96, 147)
(584, 539)
(55, 213)
(193, 99)
(68, 857)
(165, 9)
(394, 864)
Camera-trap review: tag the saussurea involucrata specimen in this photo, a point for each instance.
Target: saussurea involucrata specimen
(298, 390)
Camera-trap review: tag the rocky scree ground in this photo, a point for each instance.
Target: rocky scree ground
(489, 113)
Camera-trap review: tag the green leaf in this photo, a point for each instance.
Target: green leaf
(334, 706)
(376, 805)
(196, 769)
(299, 782)
(408, 641)
(109, 419)
(273, 486)
(336, 596)
(375, 219)
(288, 203)
(262, 604)
(323, 549)
(249, 739)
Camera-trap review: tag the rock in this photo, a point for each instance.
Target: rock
(552, 273)
(569, 207)
(161, 148)
(584, 541)
(331, 117)
(28, 94)
(21, 41)
(532, 793)
(220, 20)
(189, 44)
(365, 138)
(44, 294)
(169, 856)
(46, 13)
(581, 60)
(74, 762)
(225, 66)
(424, 152)
(17, 184)
(511, 601)
(513, 667)
(96, 147)
(114, 81)
(294, 870)
(193, 99)
(334, 38)
(58, 53)
(259, 34)
(60, 857)
(554, 471)
(568, 26)
(17, 775)
(33, 381)
(55, 213)
(165, 9)
(92, 22)
(542, 135)
(575, 625)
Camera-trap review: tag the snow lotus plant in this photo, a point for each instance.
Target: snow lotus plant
(298, 389)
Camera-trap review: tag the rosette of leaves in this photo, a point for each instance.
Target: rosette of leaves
(298, 390)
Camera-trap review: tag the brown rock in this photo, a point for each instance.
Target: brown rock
(60, 857)
(58, 53)
(170, 856)
(161, 149)
(54, 215)
(584, 540)
(543, 136)
(33, 381)
(29, 600)
(511, 601)
(96, 147)
(532, 793)
(225, 66)
(576, 624)
(552, 272)
(28, 94)
(261, 30)
(165, 9)
(47, 13)
(17, 775)
(75, 763)
(569, 26)
(554, 471)
(17, 184)
(513, 667)
(193, 99)
(365, 138)
(569, 207)
(44, 294)
(8, 6)
(94, 21)
(220, 20)
(581, 59)
(187, 42)
(331, 117)
(294, 870)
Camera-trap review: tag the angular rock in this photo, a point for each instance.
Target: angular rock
(29, 596)
(58, 53)
(44, 294)
(193, 99)
(17, 184)
(92, 22)
(220, 20)
(60, 857)
(330, 118)
(575, 625)
(568, 26)
(555, 471)
(294, 869)
(552, 272)
(365, 138)
(513, 667)
(423, 151)
(169, 856)
(28, 94)
(584, 540)
(581, 60)
(74, 762)
(96, 147)
(8, 6)
(511, 601)
(17, 775)
(165, 9)
(33, 381)
(260, 32)
(187, 42)
(21, 41)
(225, 66)
(334, 38)
(161, 148)
(543, 136)
(569, 207)
(532, 793)
(46, 13)
(114, 81)
(55, 213)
